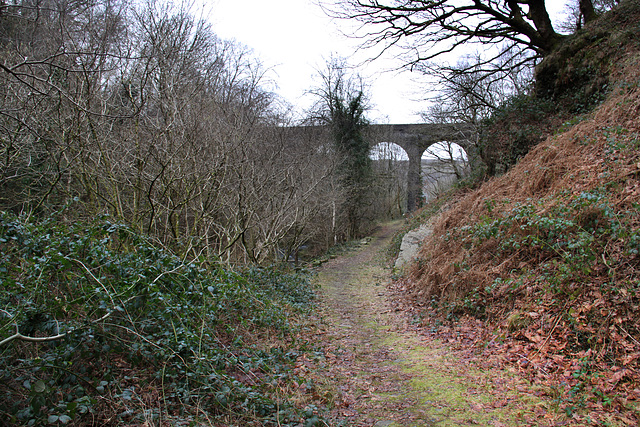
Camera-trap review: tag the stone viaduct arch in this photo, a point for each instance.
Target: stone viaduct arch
(413, 138)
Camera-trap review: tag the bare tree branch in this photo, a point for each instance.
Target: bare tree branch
(429, 29)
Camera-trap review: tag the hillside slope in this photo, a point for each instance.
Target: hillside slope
(548, 254)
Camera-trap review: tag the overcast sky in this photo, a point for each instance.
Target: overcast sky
(294, 37)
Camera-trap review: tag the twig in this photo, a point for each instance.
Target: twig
(148, 341)
(548, 336)
(19, 336)
(540, 368)
(95, 278)
(629, 335)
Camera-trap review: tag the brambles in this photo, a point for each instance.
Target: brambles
(98, 323)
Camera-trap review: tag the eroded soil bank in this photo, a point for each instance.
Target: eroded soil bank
(379, 370)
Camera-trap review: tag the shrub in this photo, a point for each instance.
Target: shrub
(514, 129)
(98, 323)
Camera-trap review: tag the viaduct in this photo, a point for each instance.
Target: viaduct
(414, 139)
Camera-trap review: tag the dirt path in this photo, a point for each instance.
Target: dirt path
(378, 371)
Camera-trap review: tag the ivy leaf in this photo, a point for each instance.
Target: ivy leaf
(39, 386)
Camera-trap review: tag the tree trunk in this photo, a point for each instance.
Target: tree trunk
(587, 11)
(540, 17)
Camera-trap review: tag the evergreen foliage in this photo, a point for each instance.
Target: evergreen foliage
(348, 124)
(97, 323)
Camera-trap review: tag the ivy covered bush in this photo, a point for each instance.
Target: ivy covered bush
(99, 326)
(514, 128)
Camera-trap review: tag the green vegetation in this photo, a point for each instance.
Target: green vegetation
(348, 125)
(513, 128)
(98, 324)
(565, 237)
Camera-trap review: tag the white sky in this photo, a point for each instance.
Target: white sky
(294, 37)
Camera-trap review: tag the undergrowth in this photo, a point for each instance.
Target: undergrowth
(99, 326)
(547, 256)
(562, 245)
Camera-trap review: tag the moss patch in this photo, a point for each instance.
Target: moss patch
(452, 392)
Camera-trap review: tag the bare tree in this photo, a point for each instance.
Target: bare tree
(55, 56)
(470, 92)
(140, 111)
(428, 29)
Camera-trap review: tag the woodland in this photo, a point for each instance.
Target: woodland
(160, 221)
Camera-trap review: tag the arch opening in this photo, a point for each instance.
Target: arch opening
(390, 163)
(388, 151)
(443, 164)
